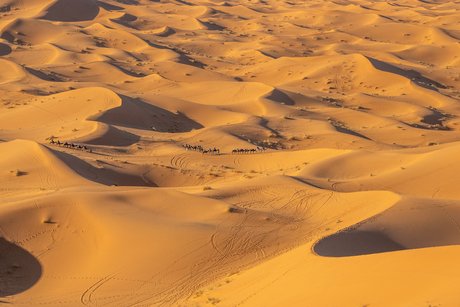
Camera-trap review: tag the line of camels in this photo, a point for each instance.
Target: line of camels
(70, 145)
(186, 146)
(217, 151)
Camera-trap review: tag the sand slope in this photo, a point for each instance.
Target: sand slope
(334, 177)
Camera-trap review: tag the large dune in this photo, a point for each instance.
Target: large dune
(334, 130)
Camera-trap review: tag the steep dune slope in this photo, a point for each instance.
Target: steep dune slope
(28, 167)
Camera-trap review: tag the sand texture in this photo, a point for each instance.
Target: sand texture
(353, 201)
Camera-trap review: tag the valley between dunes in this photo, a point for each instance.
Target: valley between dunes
(355, 200)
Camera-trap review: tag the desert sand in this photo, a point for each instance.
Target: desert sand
(355, 200)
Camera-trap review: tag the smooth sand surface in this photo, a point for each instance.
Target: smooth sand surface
(355, 200)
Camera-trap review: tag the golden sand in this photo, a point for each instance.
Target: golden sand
(354, 201)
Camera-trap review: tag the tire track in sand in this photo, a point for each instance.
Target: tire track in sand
(87, 296)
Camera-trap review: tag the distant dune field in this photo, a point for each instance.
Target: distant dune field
(229, 153)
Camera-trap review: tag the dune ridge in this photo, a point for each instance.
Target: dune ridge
(332, 178)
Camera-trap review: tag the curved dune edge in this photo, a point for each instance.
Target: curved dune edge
(403, 173)
(31, 167)
(11, 71)
(64, 115)
(412, 223)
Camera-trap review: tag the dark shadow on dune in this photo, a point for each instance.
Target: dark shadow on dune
(101, 44)
(398, 5)
(281, 97)
(128, 17)
(427, 2)
(5, 8)
(131, 2)
(185, 2)
(268, 54)
(109, 7)
(350, 132)
(263, 122)
(185, 59)
(452, 33)
(62, 48)
(38, 74)
(125, 71)
(145, 38)
(124, 24)
(433, 119)
(19, 270)
(8, 37)
(115, 137)
(70, 10)
(4, 49)
(104, 174)
(299, 179)
(212, 26)
(367, 8)
(409, 74)
(135, 113)
(167, 33)
(386, 17)
(355, 243)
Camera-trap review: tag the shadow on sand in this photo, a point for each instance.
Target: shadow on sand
(5, 49)
(106, 174)
(355, 243)
(19, 270)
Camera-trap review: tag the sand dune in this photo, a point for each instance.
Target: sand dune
(397, 228)
(334, 177)
(407, 170)
(30, 168)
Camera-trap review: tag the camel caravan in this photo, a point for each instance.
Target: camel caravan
(70, 145)
(201, 149)
(248, 151)
(217, 151)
